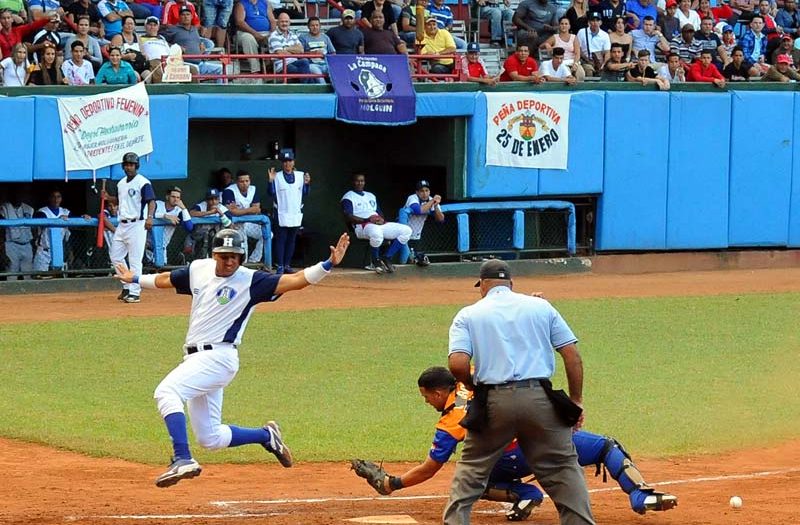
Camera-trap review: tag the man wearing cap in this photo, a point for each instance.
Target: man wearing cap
(153, 46)
(421, 205)
(535, 21)
(788, 18)
(782, 71)
(595, 46)
(288, 188)
(444, 19)
(686, 46)
(510, 340)
(786, 47)
(710, 41)
(203, 233)
(380, 41)
(346, 38)
(254, 19)
(474, 68)
(172, 13)
(435, 41)
(668, 22)
(112, 12)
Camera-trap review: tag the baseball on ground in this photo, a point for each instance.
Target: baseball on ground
(736, 502)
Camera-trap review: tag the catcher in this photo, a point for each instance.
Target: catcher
(440, 390)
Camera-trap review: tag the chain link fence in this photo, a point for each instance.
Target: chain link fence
(40, 257)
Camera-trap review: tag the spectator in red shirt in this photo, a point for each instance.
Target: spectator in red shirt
(473, 67)
(521, 67)
(704, 71)
(172, 13)
(11, 36)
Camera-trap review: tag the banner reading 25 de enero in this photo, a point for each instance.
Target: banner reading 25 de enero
(527, 130)
(97, 130)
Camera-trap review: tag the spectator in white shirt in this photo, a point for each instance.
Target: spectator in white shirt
(595, 46)
(555, 70)
(15, 67)
(686, 15)
(673, 71)
(76, 70)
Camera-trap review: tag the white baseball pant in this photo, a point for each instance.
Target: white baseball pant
(129, 239)
(20, 256)
(377, 233)
(199, 382)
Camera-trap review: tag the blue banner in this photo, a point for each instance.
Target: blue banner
(373, 89)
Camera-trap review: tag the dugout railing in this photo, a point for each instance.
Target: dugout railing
(80, 256)
(511, 229)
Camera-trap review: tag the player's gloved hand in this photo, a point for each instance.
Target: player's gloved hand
(377, 478)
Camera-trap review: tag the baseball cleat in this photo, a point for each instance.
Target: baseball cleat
(130, 298)
(375, 268)
(658, 501)
(122, 295)
(178, 470)
(522, 509)
(423, 261)
(276, 444)
(387, 265)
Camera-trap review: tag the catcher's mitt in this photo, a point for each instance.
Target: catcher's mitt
(374, 474)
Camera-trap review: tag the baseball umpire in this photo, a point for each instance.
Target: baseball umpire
(224, 294)
(130, 237)
(441, 391)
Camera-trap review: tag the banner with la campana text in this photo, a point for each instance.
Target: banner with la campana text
(98, 129)
(527, 130)
(373, 89)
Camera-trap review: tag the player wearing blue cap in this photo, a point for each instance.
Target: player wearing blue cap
(422, 205)
(288, 187)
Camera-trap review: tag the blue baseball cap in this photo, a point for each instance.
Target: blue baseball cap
(473, 47)
(212, 193)
(423, 184)
(726, 28)
(286, 155)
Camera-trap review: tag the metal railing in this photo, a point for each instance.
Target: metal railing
(77, 253)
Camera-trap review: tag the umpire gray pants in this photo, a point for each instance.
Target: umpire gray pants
(527, 414)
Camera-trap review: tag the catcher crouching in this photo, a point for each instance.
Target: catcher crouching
(440, 390)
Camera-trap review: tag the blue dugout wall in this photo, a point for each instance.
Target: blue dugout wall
(672, 171)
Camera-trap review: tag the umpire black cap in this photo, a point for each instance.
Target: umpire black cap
(229, 241)
(131, 158)
(494, 269)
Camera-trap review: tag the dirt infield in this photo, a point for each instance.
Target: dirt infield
(46, 486)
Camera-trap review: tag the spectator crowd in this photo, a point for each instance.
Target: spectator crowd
(79, 42)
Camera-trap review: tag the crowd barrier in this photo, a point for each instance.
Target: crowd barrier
(493, 228)
(80, 255)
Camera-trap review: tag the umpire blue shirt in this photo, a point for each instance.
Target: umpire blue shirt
(510, 336)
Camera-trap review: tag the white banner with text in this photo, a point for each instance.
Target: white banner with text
(97, 130)
(527, 130)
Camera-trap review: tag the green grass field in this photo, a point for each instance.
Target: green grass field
(664, 376)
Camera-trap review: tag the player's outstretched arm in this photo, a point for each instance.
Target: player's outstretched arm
(314, 274)
(159, 280)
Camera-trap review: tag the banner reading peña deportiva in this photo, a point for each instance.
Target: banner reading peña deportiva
(527, 130)
(98, 129)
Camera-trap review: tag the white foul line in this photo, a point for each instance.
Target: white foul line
(383, 498)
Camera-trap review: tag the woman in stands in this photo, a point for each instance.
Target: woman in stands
(619, 36)
(116, 70)
(46, 72)
(90, 43)
(129, 44)
(15, 67)
(578, 14)
(567, 41)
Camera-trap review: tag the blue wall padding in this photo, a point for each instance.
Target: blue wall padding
(446, 104)
(262, 106)
(519, 230)
(584, 173)
(632, 212)
(493, 181)
(794, 209)
(761, 168)
(462, 219)
(697, 197)
(16, 137)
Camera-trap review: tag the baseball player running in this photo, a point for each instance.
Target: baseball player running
(440, 390)
(223, 296)
(130, 237)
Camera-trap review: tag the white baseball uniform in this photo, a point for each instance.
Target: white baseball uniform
(364, 206)
(250, 229)
(131, 236)
(42, 258)
(221, 308)
(169, 230)
(18, 239)
(417, 221)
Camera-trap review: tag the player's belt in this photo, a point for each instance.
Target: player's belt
(522, 383)
(128, 221)
(193, 349)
